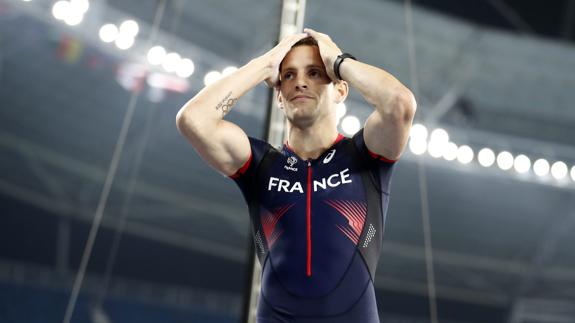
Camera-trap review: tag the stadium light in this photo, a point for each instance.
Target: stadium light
(212, 77)
(541, 167)
(559, 170)
(486, 157)
(171, 62)
(229, 70)
(464, 154)
(505, 160)
(450, 152)
(129, 28)
(124, 41)
(185, 68)
(418, 131)
(522, 164)
(156, 55)
(350, 125)
(108, 33)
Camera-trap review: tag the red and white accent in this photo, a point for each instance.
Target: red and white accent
(355, 213)
(379, 157)
(269, 222)
(243, 169)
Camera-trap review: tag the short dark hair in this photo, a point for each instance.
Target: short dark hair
(308, 41)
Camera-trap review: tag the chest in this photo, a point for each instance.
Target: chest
(335, 175)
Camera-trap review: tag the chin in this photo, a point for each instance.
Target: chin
(302, 120)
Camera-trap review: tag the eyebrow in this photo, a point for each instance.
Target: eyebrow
(308, 66)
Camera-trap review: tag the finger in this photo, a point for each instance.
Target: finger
(298, 37)
(315, 34)
(310, 31)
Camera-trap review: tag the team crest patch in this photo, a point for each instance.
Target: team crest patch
(291, 162)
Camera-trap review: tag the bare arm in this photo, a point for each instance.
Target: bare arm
(387, 129)
(222, 144)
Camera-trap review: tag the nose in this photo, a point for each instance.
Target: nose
(301, 83)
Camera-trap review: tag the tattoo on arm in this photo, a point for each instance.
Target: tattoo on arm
(226, 104)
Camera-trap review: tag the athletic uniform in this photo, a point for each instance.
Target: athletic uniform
(317, 226)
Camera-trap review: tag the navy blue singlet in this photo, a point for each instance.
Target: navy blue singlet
(317, 226)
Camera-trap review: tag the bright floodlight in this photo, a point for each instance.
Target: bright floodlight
(450, 152)
(486, 157)
(124, 42)
(438, 142)
(505, 160)
(212, 77)
(61, 9)
(350, 125)
(340, 110)
(80, 6)
(171, 62)
(156, 55)
(573, 173)
(464, 154)
(417, 147)
(129, 28)
(73, 17)
(436, 148)
(559, 170)
(108, 33)
(186, 68)
(522, 164)
(418, 131)
(439, 135)
(229, 70)
(541, 167)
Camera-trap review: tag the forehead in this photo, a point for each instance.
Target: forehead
(301, 57)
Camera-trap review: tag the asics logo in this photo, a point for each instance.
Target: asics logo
(329, 156)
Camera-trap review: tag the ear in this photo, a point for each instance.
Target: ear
(279, 97)
(341, 90)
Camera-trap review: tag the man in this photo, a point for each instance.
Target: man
(318, 205)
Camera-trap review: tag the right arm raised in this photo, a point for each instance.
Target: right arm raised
(222, 144)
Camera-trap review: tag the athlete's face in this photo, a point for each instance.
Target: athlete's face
(306, 93)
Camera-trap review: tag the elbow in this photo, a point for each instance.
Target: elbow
(401, 108)
(181, 120)
(407, 105)
(185, 121)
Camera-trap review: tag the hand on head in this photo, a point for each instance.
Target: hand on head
(277, 54)
(327, 49)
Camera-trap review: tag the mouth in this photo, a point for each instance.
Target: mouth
(300, 98)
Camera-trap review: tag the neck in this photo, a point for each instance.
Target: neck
(311, 142)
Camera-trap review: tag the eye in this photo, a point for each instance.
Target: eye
(288, 75)
(314, 73)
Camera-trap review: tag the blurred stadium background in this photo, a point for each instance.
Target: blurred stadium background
(495, 138)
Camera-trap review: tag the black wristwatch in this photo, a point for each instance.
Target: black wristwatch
(338, 62)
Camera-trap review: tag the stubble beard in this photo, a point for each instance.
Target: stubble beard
(305, 116)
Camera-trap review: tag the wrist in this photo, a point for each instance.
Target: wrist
(337, 64)
(264, 65)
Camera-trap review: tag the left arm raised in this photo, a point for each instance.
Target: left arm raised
(386, 130)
